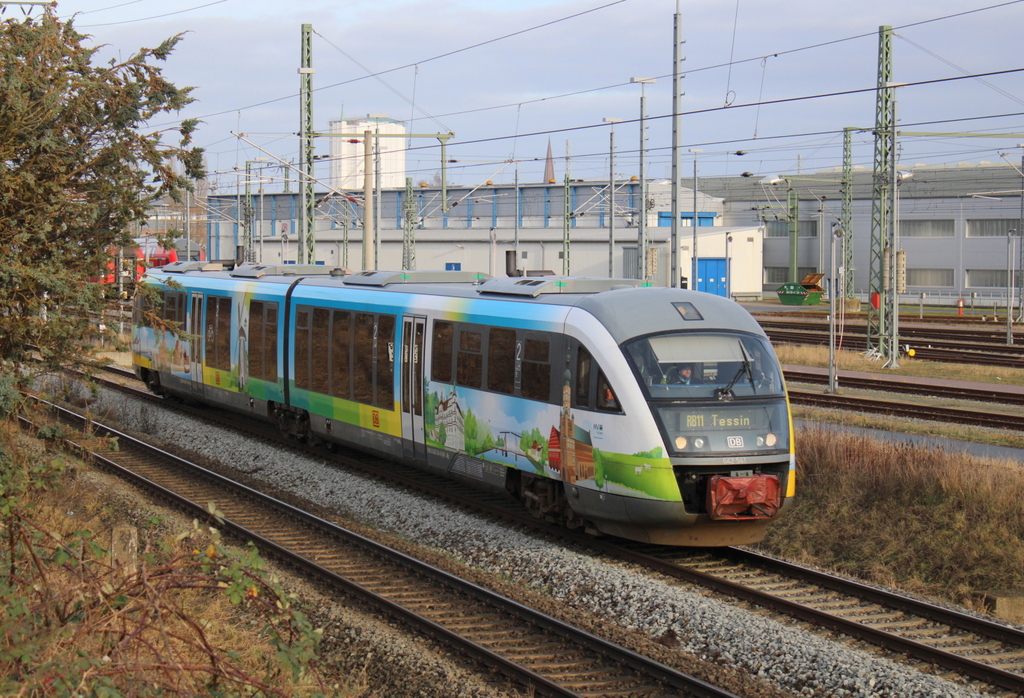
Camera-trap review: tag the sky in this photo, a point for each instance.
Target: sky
(776, 80)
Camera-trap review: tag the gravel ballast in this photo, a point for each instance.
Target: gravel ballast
(718, 631)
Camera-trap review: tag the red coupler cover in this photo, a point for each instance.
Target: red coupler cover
(743, 498)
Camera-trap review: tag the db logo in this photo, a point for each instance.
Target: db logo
(376, 419)
(734, 441)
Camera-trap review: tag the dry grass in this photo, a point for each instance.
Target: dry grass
(165, 624)
(855, 361)
(923, 520)
(942, 430)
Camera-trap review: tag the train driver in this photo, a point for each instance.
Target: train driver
(682, 374)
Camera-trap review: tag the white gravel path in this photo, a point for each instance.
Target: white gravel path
(795, 660)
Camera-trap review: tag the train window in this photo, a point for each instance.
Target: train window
(688, 311)
(469, 371)
(173, 311)
(606, 400)
(270, 343)
(441, 352)
(218, 332)
(140, 311)
(362, 370)
(417, 400)
(168, 306)
(320, 337)
(341, 344)
(501, 360)
(256, 339)
(386, 361)
(583, 364)
(536, 369)
(303, 325)
(263, 340)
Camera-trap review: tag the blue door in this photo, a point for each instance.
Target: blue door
(713, 276)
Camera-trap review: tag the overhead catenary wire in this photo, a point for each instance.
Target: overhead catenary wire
(782, 52)
(160, 16)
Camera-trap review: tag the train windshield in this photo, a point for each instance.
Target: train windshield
(700, 366)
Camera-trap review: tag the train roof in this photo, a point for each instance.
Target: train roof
(627, 307)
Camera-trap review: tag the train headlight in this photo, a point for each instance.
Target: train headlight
(760, 441)
(770, 440)
(698, 442)
(681, 443)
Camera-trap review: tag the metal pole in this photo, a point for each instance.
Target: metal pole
(611, 198)
(1020, 228)
(833, 381)
(263, 232)
(1009, 286)
(377, 196)
(673, 280)
(694, 281)
(516, 231)
(307, 231)
(892, 351)
(368, 261)
(641, 239)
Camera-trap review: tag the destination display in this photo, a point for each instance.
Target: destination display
(693, 428)
(724, 419)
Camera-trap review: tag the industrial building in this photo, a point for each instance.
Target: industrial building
(482, 224)
(953, 225)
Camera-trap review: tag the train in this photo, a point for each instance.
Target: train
(135, 261)
(566, 393)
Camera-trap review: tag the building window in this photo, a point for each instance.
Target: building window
(780, 229)
(917, 228)
(986, 278)
(930, 277)
(780, 275)
(991, 227)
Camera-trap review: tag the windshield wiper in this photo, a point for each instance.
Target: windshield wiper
(726, 392)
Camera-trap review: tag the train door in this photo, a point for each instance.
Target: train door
(413, 333)
(195, 344)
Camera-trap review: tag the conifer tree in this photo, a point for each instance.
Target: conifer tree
(79, 164)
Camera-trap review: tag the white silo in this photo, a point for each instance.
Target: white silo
(347, 157)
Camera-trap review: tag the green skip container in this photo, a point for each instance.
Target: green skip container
(807, 292)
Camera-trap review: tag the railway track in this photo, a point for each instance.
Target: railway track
(957, 642)
(985, 335)
(979, 347)
(908, 387)
(917, 410)
(532, 649)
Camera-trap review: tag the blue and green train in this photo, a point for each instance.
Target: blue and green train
(654, 414)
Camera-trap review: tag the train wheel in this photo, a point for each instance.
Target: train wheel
(544, 498)
(153, 383)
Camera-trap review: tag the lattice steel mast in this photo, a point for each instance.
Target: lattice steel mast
(881, 212)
